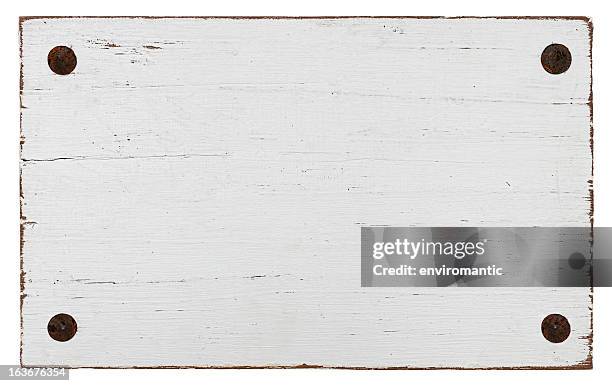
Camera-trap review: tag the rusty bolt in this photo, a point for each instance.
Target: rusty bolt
(62, 60)
(555, 328)
(556, 59)
(62, 327)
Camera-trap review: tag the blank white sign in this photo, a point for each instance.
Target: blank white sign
(193, 192)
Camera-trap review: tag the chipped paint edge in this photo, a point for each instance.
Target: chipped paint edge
(583, 18)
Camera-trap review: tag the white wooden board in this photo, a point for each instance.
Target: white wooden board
(193, 192)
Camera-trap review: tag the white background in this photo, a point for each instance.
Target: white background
(9, 186)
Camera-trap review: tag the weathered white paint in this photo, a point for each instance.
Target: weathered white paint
(193, 193)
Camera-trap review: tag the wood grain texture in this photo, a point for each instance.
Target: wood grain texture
(192, 194)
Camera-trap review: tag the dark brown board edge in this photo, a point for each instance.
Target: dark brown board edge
(22, 219)
(579, 366)
(582, 18)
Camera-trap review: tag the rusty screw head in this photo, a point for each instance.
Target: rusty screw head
(577, 260)
(556, 59)
(555, 328)
(62, 60)
(62, 327)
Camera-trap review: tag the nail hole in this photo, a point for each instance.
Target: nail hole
(555, 328)
(62, 327)
(577, 260)
(556, 59)
(62, 60)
